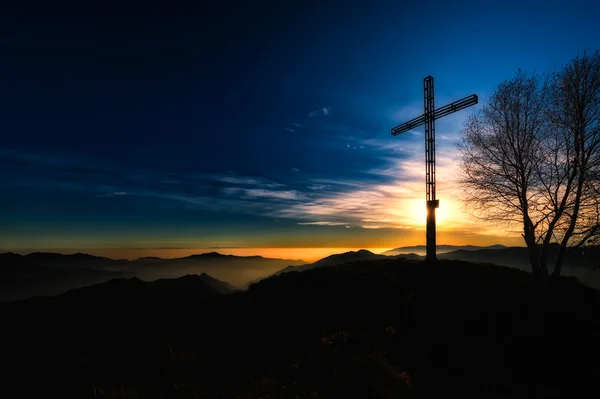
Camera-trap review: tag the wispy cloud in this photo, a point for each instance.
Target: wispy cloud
(289, 129)
(318, 187)
(113, 194)
(385, 192)
(288, 194)
(297, 124)
(313, 113)
(250, 181)
(407, 112)
(321, 223)
(326, 111)
(262, 193)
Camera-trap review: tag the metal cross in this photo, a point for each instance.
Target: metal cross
(428, 119)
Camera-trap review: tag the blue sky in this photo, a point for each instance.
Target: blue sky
(251, 125)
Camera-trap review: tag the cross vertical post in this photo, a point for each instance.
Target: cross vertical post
(432, 202)
(428, 119)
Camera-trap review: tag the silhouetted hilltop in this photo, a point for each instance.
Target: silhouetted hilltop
(54, 257)
(205, 255)
(384, 328)
(130, 298)
(9, 256)
(336, 259)
(123, 291)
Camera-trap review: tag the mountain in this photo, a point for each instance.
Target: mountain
(508, 256)
(422, 249)
(50, 257)
(336, 259)
(206, 255)
(50, 274)
(585, 257)
(123, 291)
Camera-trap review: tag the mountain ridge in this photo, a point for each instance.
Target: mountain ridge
(47, 256)
(442, 248)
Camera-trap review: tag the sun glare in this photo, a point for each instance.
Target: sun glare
(418, 209)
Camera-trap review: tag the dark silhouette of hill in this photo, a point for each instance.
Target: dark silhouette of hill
(386, 328)
(421, 249)
(411, 255)
(23, 276)
(335, 260)
(50, 274)
(518, 256)
(55, 257)
(135, 290)
(134, 295)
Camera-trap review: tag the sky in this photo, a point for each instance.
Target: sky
(252, 127)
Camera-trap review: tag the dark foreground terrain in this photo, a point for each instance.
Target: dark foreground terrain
(380, 329)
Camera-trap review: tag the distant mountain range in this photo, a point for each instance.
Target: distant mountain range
(35, 274)
(40, 273)
(422, 249)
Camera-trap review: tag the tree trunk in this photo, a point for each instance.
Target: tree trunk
(559, 261)
(529, 236)
(534, 261)
(544, 259)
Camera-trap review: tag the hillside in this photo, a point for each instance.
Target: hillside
(335, 260)
(387, 328)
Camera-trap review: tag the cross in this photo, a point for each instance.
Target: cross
(428, 119)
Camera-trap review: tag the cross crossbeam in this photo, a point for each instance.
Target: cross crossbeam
(428, 119)
(437, 114)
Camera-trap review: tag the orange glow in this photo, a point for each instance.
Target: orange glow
(445, 215)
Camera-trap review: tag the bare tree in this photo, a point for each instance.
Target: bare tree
(531, 157)
(574, 114)
(500, 148)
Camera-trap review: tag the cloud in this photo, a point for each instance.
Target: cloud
(407, 112)
(318, 187)
(250, 181)
(385, 192)
(263, 193)
(236, 179)
(297, 124)
(113, 194)
(326, 111)
(321, 223)
(232, 190)
(289, 129)
(296, 169)
(313, 113)
(288, 195)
